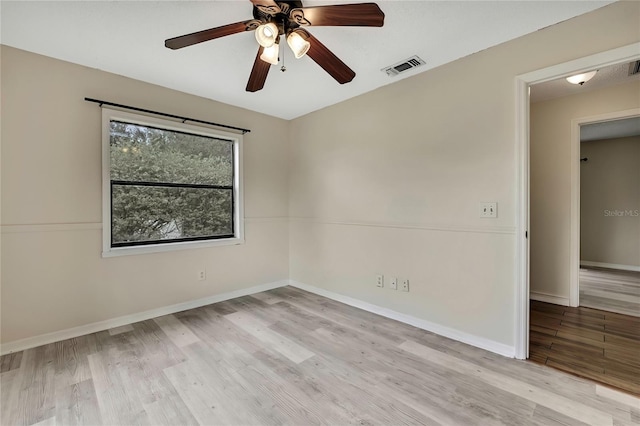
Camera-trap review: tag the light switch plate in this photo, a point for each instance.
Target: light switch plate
(489, 210)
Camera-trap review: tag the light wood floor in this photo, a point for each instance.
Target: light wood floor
(599, 345)
(291, 357)
(610, 290)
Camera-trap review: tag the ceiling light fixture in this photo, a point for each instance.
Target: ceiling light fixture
(270, 54)
(298, 44)
(581, 78)
(267, 34)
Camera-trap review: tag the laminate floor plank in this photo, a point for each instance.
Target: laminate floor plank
(254, 326)
(10, 382)
(71, 364)
(610, 290)
(351, 392)
(176, 330)
(122, 329)
(290, 357)
(298, 404)
(204, 397)
(77, 404)
(10, 362)
(118, 403)
(36, 392)
(573, 409)
(268, 298)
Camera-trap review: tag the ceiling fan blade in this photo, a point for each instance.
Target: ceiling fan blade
(211, 33)
(327, 60)
(269, 7)
(355, 15)
(258, 73)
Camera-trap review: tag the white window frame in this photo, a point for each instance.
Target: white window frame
(109, 115)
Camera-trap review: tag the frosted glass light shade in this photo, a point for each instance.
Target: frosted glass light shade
(298, 45)
(581, 78)
(270, 54)
(267, 34)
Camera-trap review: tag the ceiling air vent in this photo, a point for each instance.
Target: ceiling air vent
(634, 68)
(403, 66)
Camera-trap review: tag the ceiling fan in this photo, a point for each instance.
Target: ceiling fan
(273, 19)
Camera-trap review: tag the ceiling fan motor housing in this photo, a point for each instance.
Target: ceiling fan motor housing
(281, 18)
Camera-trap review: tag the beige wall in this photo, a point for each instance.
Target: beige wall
(610, 201)
(53, 276)
(551, 179)
(389, 182)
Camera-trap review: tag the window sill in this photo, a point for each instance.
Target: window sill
(168, 247)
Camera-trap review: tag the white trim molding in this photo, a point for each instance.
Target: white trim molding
(610, 266)
(549, 298)
(56, 336)
(416, 226)
(460, 336)
(521, 293)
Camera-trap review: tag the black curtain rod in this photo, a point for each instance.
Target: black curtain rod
(179, 117)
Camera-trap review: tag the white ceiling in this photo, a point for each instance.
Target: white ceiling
(127, 38)
(610, 129)
(608, 76)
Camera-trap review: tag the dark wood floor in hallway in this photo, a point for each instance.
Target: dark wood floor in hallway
(599, 345)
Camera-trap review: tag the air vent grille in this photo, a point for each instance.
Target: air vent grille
(403, 66)
(634, 68)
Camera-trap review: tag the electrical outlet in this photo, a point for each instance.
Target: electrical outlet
(489, 210)
(202, 275)
(394, 283)
(380, 280)
(405, 285)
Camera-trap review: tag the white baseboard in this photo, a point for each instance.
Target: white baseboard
(610, 266)
(470, 339)
(56, 336)
(549, 298)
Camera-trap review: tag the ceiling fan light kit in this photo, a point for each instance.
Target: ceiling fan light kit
(270, 54)
(299, 45)
(273, 19)
(267, 34)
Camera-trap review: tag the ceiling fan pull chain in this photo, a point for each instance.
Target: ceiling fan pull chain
(283, 68)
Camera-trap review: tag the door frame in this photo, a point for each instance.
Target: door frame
(523, 82)
(576, 123)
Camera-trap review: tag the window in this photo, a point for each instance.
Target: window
(168, 185)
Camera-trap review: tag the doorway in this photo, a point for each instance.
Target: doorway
(549, 322)
(624, 54)
(609, 200)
